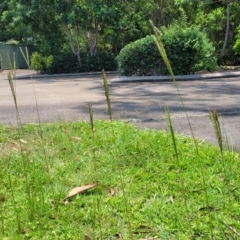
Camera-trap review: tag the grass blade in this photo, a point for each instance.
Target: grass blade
(177, 156)
(217, 128)
(107, 95)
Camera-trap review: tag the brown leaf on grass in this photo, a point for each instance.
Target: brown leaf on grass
(76, 138)
(143, 229)
(23, 141)
(171, 199)
(65, 131)
(3, 198)
(25, 230)
(112, 192)
(9, 147)
(148, 238)
(86, 237)
(78, 190)
(119, 235)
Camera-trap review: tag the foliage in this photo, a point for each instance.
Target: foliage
(236, 46)
(140, 58)
(6, 30)
(211, 16)
(114, 23)
(187, 48)
(37, 21)
(39, 62)
(93, 25)
(67, 62)
(13, 42)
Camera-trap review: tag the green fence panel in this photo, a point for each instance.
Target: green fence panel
(11, 55)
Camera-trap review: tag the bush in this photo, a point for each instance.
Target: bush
(236, 46)
(40, 63)
(140, 58)
(187, 48)
(12, 41)
(67, 62)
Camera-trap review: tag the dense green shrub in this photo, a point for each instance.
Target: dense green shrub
(236, 46)
(67, 62)
(13, 42)
(39, 62)
(187, 48)
(140, 58)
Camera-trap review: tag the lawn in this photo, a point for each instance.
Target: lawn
(144, 190)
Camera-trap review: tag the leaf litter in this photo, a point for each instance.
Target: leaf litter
(79, 190)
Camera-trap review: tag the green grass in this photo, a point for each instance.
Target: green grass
(139, 166)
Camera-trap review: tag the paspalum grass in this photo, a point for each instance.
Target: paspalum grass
(32, 208)
(167, 62)
(125, 199)
(226, 168)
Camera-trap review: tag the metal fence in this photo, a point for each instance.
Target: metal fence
(11, 55)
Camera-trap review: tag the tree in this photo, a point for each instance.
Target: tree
(227, 28)
(37, 21)
(89, 25)
(7, 31)
(70, 17)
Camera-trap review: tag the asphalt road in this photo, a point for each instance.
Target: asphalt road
(143, 104)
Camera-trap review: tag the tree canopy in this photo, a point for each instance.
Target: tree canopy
(89, 25)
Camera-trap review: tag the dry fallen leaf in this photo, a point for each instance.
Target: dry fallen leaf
(119, 235)
(76, 138)
(171, 199)
(3, 198)
(86, 237)
(78, 190)
(148, 238)
(23, 141)
(25, 230)
(112, 192)
(65, 131)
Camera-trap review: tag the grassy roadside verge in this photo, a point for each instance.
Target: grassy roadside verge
(139, 194)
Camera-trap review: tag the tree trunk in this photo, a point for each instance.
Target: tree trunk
(227, 29)
(92, 39)
(76, 48)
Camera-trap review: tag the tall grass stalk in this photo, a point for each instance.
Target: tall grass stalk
(97, 208)
(177, 158)
(217, 128)
(93, 140)
(218, 132)
(107, 94)
(13, 91)
(125, 200)
(17, 215)
(46, 162)
(2, 200)
(164, 56)
(41, 132)
(24, 156)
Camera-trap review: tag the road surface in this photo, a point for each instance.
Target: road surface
(143, 104)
